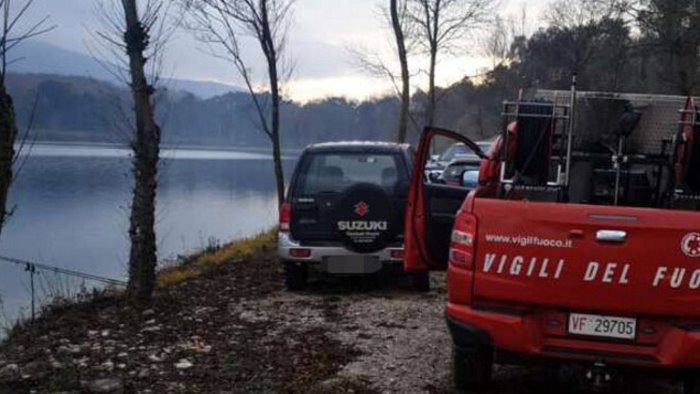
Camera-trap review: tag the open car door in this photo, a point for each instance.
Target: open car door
(432, 205)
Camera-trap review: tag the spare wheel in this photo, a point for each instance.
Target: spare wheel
(365, 218)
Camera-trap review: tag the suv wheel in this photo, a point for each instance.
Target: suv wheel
(295, 275)
(420, 281)
(472, 367)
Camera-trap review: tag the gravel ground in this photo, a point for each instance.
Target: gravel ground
(405, 346)
(234, 329)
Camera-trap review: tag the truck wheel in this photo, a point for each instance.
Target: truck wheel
(295, 275)
(472, 367)
(420, 281)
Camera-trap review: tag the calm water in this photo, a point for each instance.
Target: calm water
(71, 210)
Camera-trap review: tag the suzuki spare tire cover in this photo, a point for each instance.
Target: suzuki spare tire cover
(364, 218)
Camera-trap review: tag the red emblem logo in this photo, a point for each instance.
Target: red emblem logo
(361, 208)
(690, 245)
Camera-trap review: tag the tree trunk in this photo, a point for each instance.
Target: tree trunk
(405, 77)
(434, 43)
(268, 44)
(146, 146)
(8, 134)
(430, 110)
(276, 147)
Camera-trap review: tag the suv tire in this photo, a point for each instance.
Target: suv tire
(472, 367)
(420, 281)
(295, 275)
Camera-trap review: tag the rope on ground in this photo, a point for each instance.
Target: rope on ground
(32, 267)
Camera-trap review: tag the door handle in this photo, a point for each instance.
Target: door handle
(613, 236)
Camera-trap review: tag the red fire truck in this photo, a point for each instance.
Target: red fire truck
(580, 246)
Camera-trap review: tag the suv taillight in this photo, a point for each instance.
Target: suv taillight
(462, 241)
(285, 217)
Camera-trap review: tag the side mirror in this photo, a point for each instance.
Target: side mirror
(469, 178)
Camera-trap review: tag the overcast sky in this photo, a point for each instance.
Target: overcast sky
(322, 31)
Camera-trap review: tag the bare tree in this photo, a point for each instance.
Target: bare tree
(441, 27)
(396, 69)
(222, 24)
(397, 10)
(136, 29)
(671, 30)
(496, 45)
(571, 13)
(8, 122)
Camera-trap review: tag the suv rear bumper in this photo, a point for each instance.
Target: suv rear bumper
(677, 348)
(317, 254)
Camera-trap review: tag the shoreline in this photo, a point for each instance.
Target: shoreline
(167, 147)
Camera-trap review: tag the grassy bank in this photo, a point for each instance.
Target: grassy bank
(184, 269)
(193, 266)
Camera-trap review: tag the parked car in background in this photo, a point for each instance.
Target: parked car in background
(455, 153)
(344, 211)
(462, 172)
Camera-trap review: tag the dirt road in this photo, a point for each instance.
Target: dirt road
(405, 346)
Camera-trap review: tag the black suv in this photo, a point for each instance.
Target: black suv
(344, 210)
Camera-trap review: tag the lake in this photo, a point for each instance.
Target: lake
(71, 206)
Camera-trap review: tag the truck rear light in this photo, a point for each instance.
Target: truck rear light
(462, 241)
(460, 259)
(300, 253)
(285, 217)
(462, 238)
(396, 254)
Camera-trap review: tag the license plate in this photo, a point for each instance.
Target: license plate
(602, 326)
(351, 264)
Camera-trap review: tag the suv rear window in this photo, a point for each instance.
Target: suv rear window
(333, 172)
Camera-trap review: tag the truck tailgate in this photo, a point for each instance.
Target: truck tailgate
(631, 261)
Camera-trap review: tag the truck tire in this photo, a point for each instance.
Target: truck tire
(295, 275)
(472, 367)
(420, 281)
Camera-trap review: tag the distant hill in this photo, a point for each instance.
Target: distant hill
(71, 97)
(86, 109)
(35, 57)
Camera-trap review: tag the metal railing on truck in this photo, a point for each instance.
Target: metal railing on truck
(555, 129)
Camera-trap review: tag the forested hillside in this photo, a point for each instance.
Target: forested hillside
(654, 51)
(85, 109)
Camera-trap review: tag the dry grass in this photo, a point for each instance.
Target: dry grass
(234, 251)
(173, 276)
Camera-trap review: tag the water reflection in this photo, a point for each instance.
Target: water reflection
(71, 208)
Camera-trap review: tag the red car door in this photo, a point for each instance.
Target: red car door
(431, 206)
